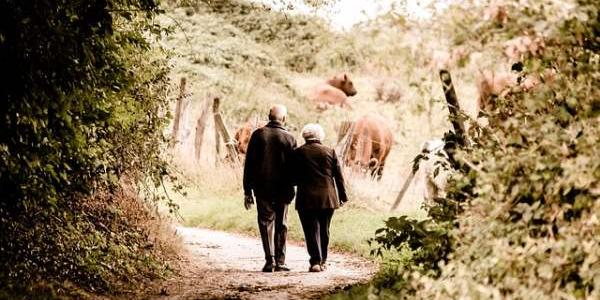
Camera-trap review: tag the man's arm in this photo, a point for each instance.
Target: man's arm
(290, 164)
(249, 164)
(339, 179)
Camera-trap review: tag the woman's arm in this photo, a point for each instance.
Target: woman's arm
(339, 179)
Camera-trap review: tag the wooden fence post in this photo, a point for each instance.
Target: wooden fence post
(453, 107)
(405, 186)
(179, 109)
(457, 123)
(200, 127)
(346, 142)
(215, 107)
(222, 131)
(227, 138)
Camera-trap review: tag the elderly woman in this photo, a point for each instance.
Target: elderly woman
(318, 175)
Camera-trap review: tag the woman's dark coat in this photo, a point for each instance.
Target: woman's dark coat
(317, 173)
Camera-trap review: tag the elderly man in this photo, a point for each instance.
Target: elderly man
(266, 174)
(320, 191)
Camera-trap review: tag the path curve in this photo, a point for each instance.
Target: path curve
(220, 265)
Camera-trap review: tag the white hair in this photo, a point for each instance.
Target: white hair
(277, 112)
(313, 131)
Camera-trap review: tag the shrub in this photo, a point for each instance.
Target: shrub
(83, 108)
(303, 42)
(528, 225)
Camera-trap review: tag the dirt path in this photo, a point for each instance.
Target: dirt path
(222, 265)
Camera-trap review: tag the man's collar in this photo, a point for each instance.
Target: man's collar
(276, 124)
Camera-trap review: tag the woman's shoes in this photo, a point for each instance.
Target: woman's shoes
(318, 267)
(315, 268)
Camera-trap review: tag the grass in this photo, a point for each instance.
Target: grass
(216, 202)
(222, 54)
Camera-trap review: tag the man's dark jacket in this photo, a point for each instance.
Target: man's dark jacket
(317, 174)
(266, 170)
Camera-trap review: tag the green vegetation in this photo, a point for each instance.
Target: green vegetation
(87, 92)
(351, 226)
(246, 60)
(81, 117)
(248, 55)
(520, 220)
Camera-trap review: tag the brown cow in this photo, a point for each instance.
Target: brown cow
(493, 85)
(496, 85)
(370, 144)
(243, 134)
(334, 91)
(523, 47)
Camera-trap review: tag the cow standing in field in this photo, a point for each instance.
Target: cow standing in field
(370, 143)
(243, 134)
(334, 91)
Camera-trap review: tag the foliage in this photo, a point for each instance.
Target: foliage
(250, 55)
(528, 228)
(427, 240)
(83, 108)
(215, 204)
(303, 42)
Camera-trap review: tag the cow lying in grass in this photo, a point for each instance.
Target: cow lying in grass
(333, 92)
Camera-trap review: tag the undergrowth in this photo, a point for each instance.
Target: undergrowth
(520, 220)
(82, 113)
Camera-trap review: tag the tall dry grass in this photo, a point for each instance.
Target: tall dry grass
(249, 77)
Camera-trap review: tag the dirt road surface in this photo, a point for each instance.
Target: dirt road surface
(221, 265)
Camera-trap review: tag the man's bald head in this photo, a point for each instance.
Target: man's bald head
(278, 113)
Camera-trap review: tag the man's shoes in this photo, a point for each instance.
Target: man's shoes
(282, 268)
(323, 266)
(315, 268)
(269, 267)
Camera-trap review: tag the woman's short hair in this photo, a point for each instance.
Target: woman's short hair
(313, 131)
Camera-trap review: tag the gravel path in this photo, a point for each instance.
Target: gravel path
(221, 265)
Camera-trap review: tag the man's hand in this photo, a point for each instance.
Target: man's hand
(248, 201)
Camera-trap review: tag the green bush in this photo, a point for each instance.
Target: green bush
(83, 109)
(303, 43)
(528, 223)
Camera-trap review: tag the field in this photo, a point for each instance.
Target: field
(394, 64)
(351, 226)
(98, 131)
(249, 88)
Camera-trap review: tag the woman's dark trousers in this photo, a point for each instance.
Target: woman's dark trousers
(315, 223)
